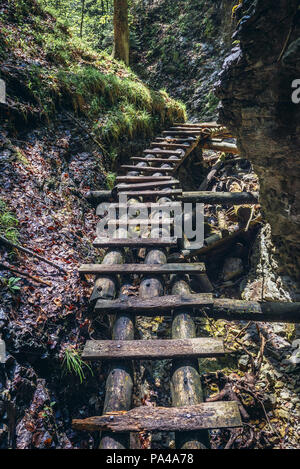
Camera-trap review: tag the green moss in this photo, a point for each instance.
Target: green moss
(8, 223)
(69, 74)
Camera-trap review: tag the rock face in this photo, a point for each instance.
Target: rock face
(255, 89)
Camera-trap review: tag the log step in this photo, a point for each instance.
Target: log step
(148, 185)
(207, 415)
(155, 305)
(183, 132)
(200, 124)
(153, 194)
(135, 242)
(162, 152)
(155, 269)
(141, 221)
(147, 169)
(176, 140)
(169, 145)
(202, 347)
(145, 205)
(155, 160)
(139, 179)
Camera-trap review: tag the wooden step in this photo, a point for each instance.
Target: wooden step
(175, 140)
(147, 185)
(188, 129)
(200, 124)
(162, 152)
(148, 169)
(154, 160)
(183, 132)
(207, 415)
(135, 242)
(169, 145)
(155, 269)
(153, 194)
(202, 347)
(141, 221)
(138, 179)
(146, 205)
(156, 305)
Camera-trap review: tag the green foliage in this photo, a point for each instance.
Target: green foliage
(8, 223)
(73, 364)
(11, 284)
(110, 180)
(62, 71)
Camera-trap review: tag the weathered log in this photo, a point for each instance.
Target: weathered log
(155, 160)
(147, 185)
(154, 305)
(139, 179)
(200, 124)
(170, 145)
(215, 168)
(162, 152)
(220, 198)
(101, 196)
(153, 194)
(206, 415)
(268, 311)
(135, 243)
(157, 269)
(223, 146)
(186, 388)
(184, 132)
(149, 169)
(153, 349)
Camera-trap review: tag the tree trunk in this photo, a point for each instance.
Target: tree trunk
(82, 17)
(121, 31)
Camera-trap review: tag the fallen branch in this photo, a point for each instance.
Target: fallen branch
(31, 253)
(24, 274)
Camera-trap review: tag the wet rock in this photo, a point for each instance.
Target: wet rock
(233, 267)
(244, 362)
(255, 89)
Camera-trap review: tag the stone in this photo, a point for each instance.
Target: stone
(244, 362)
(233, 267)
(256, 105)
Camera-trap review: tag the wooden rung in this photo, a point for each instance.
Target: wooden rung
(155, 305)
(182, 132)
(193, 129)
(175, 140)
(162, 152)
(138, 179)
(154, 160)
(155, 269)
(153, 194)
(169, 145)
(204, 416)
(153, 349)
(135, 242)
(137, 222)
(147, 185)
(147, 169)
(201, 124)
(131, 208)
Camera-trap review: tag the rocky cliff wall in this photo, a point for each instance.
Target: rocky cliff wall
(255, 89)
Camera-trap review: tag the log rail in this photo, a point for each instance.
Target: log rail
(150, 179)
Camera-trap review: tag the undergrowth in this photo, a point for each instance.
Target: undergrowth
(53, 71)
(8, 223)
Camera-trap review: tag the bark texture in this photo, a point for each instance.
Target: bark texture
(121, 31)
